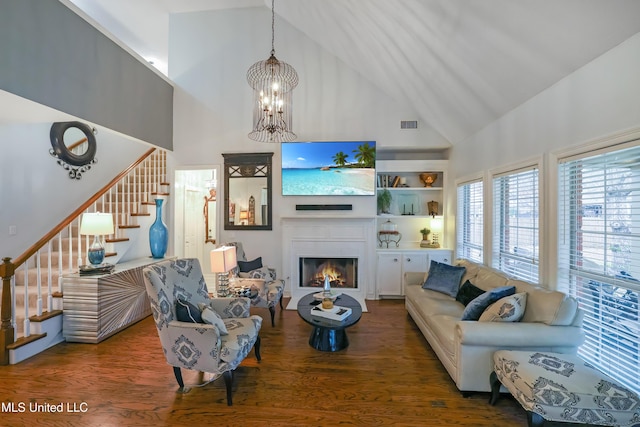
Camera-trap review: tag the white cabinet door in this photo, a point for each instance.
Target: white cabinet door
(389, 274)
(415, 262)
(444, 256)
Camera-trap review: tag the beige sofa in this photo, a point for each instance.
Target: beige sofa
(552, 322)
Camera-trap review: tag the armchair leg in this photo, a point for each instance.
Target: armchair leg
(272, 310)
(228, 382)
(281, 308)
(256, 347)
(178, 373)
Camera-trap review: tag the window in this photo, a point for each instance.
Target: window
(599, 254)
(470, 221)
(515, 223)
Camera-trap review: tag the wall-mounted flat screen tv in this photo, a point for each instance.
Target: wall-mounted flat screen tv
(326, 168)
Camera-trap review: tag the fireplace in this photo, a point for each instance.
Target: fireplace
(342, 272)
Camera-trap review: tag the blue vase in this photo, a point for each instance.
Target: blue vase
(158, 233)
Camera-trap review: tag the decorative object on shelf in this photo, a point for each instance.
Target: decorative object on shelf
(389, 233)
(425, 238)
(223, 260)
(384, 201)
(96, 224)
(433, 208)
(437, 225)
(74, 145)
(273, 82)
(428, 178)
(158, 233)
(408, 204)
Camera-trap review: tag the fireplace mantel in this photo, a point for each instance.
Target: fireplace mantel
(328, 236)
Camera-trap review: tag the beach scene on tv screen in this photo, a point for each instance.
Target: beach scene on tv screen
(328, 168)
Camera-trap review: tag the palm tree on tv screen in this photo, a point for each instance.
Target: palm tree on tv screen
(340, 158)
(366, 155)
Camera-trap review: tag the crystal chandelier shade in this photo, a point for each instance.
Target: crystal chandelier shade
(272, 82)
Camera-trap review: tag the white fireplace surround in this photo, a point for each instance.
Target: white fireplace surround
(329, 237)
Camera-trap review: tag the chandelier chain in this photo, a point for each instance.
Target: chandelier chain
(273, 27)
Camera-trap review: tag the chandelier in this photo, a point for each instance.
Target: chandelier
(272, 82)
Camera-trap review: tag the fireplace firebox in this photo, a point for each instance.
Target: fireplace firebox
(342, 272)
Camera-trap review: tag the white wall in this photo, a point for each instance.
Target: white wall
(36, 193)
(598, 100)
(210, 53)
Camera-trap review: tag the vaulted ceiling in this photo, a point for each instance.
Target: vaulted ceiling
(460, 64)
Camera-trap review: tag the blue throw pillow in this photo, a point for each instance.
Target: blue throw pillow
(475, 308)
(247, 266)
(187, 312)
(467, 293)
(444, 278)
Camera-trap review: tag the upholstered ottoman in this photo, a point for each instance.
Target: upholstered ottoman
(562, 387)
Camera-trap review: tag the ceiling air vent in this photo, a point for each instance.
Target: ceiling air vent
(408, 124)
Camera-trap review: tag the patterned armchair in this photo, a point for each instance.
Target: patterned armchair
(199, 346)
(259, 283)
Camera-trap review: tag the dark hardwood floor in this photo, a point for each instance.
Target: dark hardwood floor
(387, 376)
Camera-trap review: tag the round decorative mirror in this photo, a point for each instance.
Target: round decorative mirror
(74, 145)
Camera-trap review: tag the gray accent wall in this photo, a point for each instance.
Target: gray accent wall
(50, 55)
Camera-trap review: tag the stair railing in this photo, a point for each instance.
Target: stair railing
(150, 168)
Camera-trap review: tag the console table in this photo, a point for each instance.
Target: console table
(98, 306)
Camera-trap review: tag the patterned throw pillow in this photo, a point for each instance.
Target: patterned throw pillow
(444, 278)
(211, 317)
(507, 309)
(187, 312)
(467, 293)
(475, 308)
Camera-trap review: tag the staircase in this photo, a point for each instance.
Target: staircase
(36, 286)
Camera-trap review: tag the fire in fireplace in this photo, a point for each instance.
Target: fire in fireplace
(342, 272)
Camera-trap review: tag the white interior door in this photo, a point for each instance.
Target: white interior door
(193, 224)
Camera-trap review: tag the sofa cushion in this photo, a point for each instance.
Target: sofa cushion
(467, 293)
(487, 279)
(507, 309)
(428, 302)
(443, 327)
(546, 306)
(475, 308)
(444, 278)
(471, 269)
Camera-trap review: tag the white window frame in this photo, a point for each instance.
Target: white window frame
(533, 258)
(607, 299)
(463, 245)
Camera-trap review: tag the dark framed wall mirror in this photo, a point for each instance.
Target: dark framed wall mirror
(74, 145)
(247, 191)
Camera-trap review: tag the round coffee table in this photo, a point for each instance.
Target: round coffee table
(327, 334)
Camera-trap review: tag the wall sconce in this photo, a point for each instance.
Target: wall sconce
(223, 260)
(96, 224)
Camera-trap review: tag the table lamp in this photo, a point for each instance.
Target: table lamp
(223, 260)
(437, 225)
(96, 224)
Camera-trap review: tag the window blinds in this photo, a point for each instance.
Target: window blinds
(599, 255)
(470, 221)
(516, 224)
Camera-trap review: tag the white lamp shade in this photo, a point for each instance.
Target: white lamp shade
(96, 223)
(223, 259)
(437, 224)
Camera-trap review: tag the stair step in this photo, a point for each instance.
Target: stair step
(25, 340)
(117, 239)
(46, 315)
